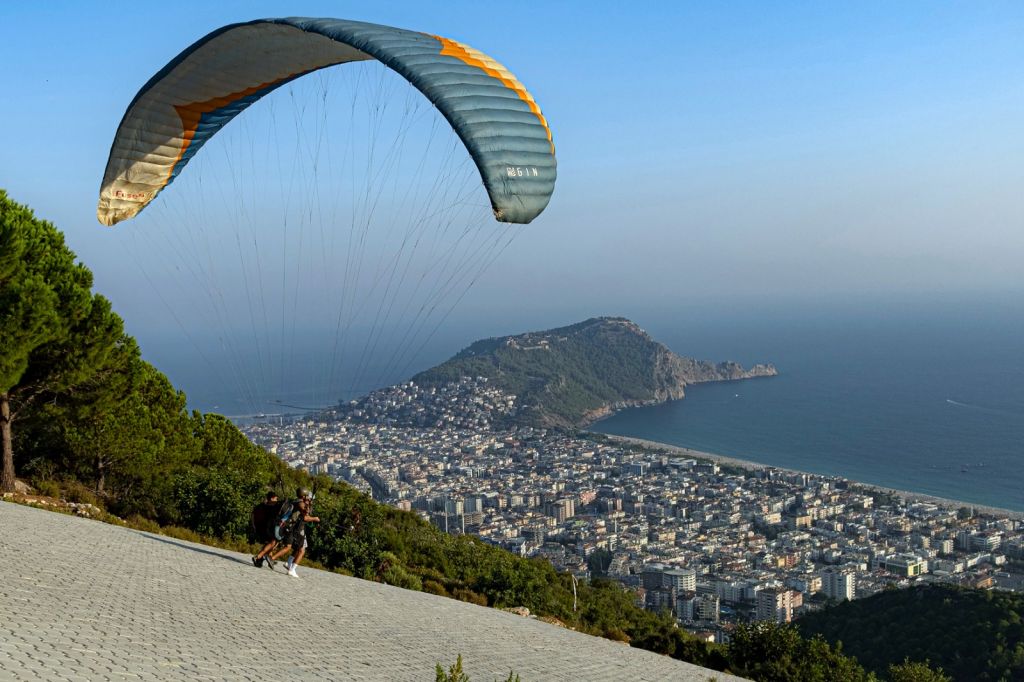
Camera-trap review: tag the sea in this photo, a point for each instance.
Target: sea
(920, 393)
(924, 394)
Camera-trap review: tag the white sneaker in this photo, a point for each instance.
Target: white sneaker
(292, 573)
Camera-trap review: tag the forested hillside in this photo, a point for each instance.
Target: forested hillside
(971, 634)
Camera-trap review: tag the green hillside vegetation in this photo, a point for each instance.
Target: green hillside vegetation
(85, 418)
(974, 635)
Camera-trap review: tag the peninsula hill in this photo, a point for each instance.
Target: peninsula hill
(571, 376)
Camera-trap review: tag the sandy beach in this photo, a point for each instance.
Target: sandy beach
(906, 495)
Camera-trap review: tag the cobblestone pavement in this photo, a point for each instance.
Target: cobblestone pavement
(83, 600)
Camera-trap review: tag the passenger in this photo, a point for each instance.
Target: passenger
(264, 516)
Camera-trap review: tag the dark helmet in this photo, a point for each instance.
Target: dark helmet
(302, 493)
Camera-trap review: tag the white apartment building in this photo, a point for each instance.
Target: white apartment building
(839, 583)
(682, 579)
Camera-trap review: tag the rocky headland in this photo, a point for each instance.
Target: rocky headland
(571, 376)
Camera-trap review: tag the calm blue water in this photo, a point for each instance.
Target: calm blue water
(918, 395)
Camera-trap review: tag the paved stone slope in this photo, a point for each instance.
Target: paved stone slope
(82, 600)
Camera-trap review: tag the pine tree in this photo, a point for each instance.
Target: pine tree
(104, 421)
(56, 333)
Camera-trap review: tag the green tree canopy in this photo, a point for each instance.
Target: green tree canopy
(916, 671)
(777, 653)
(57, 333)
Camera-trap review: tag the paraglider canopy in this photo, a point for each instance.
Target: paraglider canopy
(219, 76)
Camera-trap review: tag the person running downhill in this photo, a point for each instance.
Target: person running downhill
(263, 517)
(297, 537)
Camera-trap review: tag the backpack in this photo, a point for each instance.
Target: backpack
(264, 518)
(286, 519)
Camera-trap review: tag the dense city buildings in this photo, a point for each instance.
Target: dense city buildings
(711, 545)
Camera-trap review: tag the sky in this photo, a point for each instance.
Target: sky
(707, 151)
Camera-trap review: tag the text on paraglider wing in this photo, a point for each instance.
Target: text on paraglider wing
(120, 194)
(520, 172)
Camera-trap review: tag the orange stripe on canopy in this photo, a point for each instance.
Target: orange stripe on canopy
(467, 55)
(192, 113)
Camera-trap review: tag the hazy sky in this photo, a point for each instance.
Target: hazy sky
(706, 150)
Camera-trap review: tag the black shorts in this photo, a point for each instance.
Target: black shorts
(298, 539)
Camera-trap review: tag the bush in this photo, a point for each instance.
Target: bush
(427, 573)
(615, 634)
(434, 587)
(394, 573)
(462, 594)
(454, 673)
(216, 502)
(399, 577)
(142, 523)
(76, 491)
(180, 533)
(47, 488)
(39, 469)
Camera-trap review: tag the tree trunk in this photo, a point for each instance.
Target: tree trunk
(6, 444)
(101, 474)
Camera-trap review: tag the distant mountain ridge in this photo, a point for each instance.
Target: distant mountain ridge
(571, 376)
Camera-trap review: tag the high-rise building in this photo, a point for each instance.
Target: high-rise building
(685, 605)
(560, 509)
(661, 599)
(839, 583)
(682, 579)
(775, 604)
(452, 506)
(707, 608)
(652, 576)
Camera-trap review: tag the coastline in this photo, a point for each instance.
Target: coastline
(906, 495)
